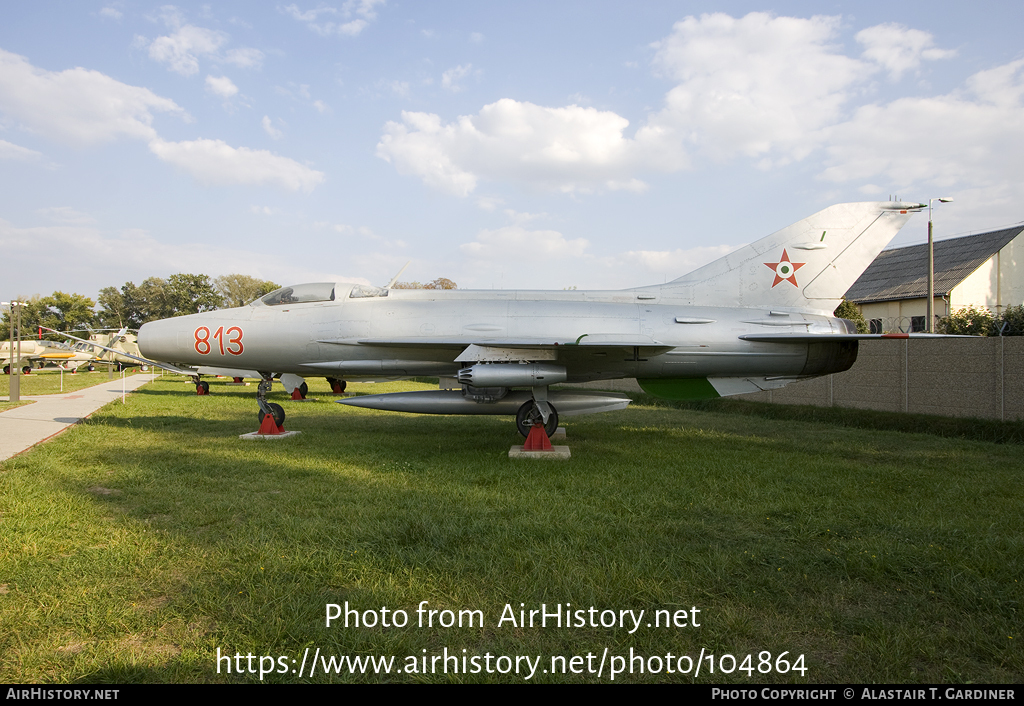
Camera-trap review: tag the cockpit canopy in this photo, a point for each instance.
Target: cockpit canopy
(300, 294)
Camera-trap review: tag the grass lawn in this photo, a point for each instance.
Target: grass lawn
(136, 545)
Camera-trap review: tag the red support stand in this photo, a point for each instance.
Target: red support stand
(268, 427)
(238, 380)
(297, 394)
(537, 439)
(200, 390)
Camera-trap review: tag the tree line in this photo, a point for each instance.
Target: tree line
(132, 305)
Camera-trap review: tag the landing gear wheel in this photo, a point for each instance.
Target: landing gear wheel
(528, 414)
(7, 370)
(337, 386)
(202, 387)
(92, 368)
(277, 411)
(26, 370)
(304, 390)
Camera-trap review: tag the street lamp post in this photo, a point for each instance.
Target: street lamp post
(15, 359)
(931, 267)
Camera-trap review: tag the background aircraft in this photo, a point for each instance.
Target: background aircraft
(756, 319)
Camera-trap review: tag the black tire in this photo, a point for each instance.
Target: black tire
(277, 411)
(7, 370)
(26, 370)
(337, 386)
(526, 415)
(205, 385)
(92, 368)
(303, 390)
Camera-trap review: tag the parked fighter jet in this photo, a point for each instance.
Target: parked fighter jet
(756, 319)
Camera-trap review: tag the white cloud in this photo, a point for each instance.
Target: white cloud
(972, 136)
(350, 19)
(245, 58)
(67, 215)
(321, 107)
(268, 127)
(450, 78)
(215, 162)
(899, 49)
(476, 37)
(182, 49)
(674, 263)
(568, 149)
(111, 12)
(16, 152)
(519, 244)
(221, 86)
(754, 85)
(77, 106)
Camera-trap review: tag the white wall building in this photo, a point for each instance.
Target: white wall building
(983, 270)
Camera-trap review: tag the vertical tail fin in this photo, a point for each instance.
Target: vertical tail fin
(807, 265)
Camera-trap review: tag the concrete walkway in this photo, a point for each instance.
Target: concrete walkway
(23, 427)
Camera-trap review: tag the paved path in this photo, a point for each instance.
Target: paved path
(23, 427)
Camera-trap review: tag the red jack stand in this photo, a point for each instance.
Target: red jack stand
(237, 379)
(297, 394)
(537, 439)
(268, 427)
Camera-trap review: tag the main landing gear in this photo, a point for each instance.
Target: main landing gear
(530, 415)
(337, 386)
(537, 420)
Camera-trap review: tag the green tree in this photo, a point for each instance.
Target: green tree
(59, 311)
(849, 310)
(112, 312)
(239, 290)
(191, 294)
(969, 321)
(1011, 321)
(439, 283)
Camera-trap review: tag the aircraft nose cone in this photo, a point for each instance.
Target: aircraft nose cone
(158, 340)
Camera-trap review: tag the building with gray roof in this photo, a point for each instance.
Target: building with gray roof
(983, 270)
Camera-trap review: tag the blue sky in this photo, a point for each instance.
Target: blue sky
(528, 144)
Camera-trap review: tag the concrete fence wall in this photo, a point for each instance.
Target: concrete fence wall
(954, 377)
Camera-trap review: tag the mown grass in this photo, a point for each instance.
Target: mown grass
(48, 382)
(135, 545)
(1000, 432)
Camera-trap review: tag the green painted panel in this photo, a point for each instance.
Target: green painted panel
(679, 388)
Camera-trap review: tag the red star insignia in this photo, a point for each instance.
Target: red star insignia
(785, 270)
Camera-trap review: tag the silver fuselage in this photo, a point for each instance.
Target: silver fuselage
(595, 335)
